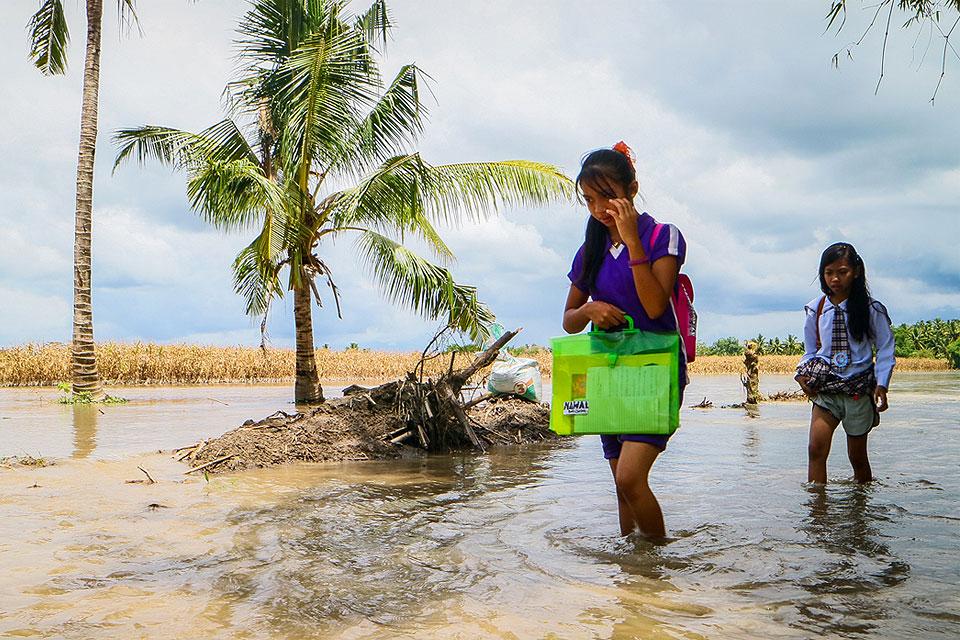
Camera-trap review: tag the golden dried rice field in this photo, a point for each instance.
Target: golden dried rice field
(147, 363)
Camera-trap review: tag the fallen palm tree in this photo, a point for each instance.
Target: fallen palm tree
(414, 413)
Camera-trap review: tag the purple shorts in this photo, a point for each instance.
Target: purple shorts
(613, 443)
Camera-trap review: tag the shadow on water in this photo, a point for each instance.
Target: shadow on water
(84, 429)
(853, 565)
(382, 549)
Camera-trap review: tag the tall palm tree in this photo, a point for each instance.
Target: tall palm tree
(316, 146)
(49, 36)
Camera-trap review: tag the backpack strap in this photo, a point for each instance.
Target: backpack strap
(823, 300)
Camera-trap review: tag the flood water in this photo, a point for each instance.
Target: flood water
(521, 543)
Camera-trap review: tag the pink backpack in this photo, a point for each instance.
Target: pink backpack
(682, 303)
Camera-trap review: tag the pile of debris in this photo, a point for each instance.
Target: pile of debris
(401, 417)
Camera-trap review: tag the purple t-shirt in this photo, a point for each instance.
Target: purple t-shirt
(614, 283)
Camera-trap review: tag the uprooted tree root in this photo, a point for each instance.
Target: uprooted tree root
(383, 422)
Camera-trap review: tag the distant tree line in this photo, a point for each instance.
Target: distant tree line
(928, 338)
(925, 339)
(731, 346)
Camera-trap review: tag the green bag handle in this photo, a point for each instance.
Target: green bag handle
(612, 357)
(629, 328)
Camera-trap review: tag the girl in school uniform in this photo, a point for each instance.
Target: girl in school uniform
(838, 373)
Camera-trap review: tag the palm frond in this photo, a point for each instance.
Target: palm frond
(150, 142)
(424, 229)
(475, 190)
(128, 14)
(376, 23)
(223, 142)
(405, 190)
(234, 194)
(328, 79)
(49, 38)
(269, 31)
(387, 204)
(272, 30)
(255, 279)
(409, 280)
(395, 121)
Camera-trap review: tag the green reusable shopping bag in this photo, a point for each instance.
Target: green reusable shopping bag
(617, 382)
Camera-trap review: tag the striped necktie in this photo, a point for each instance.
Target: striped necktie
(840, 344)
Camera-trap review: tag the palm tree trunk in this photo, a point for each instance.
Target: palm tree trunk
(308, 389)
(85, 375)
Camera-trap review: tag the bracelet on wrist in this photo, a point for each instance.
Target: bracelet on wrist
(637, 263)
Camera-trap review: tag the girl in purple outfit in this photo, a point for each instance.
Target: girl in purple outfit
(617, 272)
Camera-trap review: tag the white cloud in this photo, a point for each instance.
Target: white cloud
(746, 140)
(131, 248)
(504, 254)
(777, 324)
(27, 258)
(31, 316)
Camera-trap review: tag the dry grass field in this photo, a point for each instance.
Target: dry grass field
(706, 365)
(143, 363)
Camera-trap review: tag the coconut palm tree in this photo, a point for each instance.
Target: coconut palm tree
(49, 37)
(316, 146)
(793, 346)
(774, 347)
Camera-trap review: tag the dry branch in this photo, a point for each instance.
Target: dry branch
(459, 378)
(478, 400)
(210, 464)
(150, 479)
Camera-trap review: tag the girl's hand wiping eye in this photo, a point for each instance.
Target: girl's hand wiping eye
(625, 215)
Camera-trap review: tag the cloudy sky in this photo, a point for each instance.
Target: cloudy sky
(748, 140)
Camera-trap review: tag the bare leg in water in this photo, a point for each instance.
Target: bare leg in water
(628, 521)
(638, 507)
(857, 453)
(822, 425)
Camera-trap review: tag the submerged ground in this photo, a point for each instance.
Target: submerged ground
(520, 543)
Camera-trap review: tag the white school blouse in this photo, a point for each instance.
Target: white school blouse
(861, 353)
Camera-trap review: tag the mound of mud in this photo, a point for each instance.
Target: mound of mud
(405, 416)
(358, 428)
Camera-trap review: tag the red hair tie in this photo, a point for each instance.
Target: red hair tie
(622, 147)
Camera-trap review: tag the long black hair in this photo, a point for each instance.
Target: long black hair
(858, 304)
(598, 169)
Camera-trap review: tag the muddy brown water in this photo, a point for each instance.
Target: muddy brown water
(520, 543)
